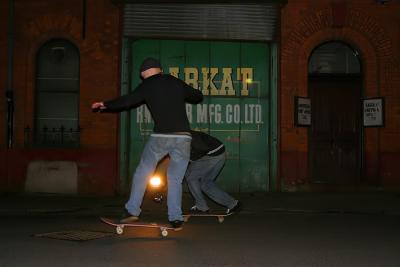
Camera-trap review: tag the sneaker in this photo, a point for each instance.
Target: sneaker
(196, 210)
(126, 217)
(177, 225)
(235, 209)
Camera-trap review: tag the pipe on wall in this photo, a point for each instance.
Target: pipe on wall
(10, 75)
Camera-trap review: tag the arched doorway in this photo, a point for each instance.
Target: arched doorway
(335, 136)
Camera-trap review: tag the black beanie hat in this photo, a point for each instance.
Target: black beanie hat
(149, 63)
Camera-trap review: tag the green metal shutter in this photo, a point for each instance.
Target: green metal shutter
(243, 120)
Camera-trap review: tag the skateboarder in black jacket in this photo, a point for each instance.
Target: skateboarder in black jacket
(165, 97)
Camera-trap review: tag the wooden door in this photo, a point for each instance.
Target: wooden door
(334, 137)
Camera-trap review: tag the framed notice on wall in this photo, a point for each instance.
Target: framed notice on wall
(373, 112)
(302, 111)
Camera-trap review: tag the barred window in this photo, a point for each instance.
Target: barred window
(57, 95)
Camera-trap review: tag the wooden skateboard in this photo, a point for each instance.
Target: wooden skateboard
(120, 226)
(220, 216)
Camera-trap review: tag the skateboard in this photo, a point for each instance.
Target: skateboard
(220, 215)
(120, 226)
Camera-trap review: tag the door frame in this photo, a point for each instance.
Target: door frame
(361, 138)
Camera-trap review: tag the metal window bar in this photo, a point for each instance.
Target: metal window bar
(52, 137)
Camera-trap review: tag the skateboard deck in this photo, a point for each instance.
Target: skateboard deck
(219, 215)
(119, 227)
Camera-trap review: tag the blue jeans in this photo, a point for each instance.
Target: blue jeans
(157, 147)
(201, 175)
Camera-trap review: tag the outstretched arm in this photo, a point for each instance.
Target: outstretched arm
(121, 103)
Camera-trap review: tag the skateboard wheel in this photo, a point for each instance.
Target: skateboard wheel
(164, 233)
(119, 230)
(220, 219)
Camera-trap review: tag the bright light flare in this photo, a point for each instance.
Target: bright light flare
(155, 181)
(249, 80)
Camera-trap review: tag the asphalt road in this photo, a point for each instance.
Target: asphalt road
(247, 239)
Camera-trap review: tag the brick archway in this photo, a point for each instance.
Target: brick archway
(379, 68)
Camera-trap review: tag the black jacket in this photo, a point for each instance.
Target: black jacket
(204, 144)
(165, 96)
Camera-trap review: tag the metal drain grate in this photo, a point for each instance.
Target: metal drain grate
(75, 235)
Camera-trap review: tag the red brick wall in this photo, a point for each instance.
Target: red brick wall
(371, 28)
(99, 44)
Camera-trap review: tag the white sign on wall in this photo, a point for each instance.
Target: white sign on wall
(373, 112)
(302, 111)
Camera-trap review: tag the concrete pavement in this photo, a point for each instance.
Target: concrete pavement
(348, 202)
(282, 229)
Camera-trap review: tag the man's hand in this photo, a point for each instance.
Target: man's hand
(98, 106)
